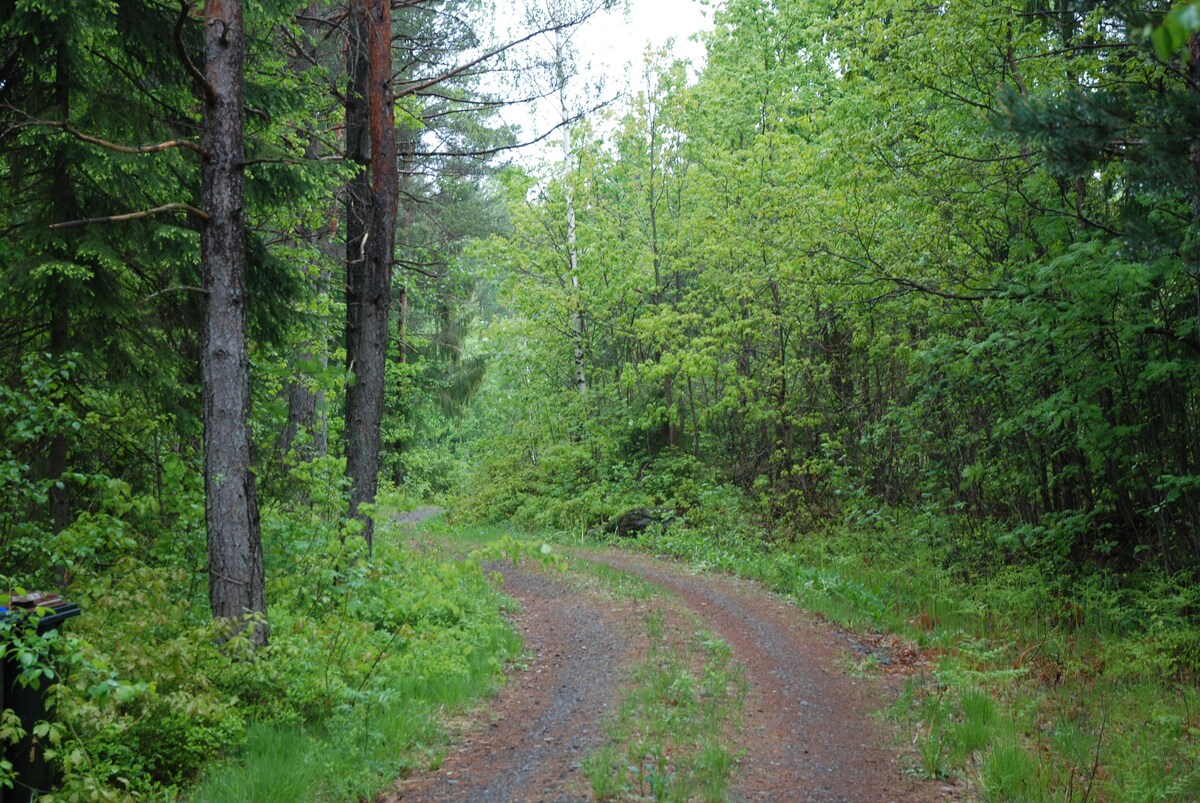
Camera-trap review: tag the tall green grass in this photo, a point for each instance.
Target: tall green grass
(277, 766)
(421, 638)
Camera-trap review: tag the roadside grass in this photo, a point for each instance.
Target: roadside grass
(1038, 687)
(379, 686)
(360, 751)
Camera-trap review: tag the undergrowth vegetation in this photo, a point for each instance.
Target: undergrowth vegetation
(149, 696)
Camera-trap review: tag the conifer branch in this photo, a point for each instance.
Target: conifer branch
(187, 288)
(1188, 340)
(67, 128)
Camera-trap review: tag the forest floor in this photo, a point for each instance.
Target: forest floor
(806, 733)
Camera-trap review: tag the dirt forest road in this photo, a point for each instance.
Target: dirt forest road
(808, 733)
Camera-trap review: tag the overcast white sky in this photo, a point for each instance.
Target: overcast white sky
(611, 46)
(615, 39)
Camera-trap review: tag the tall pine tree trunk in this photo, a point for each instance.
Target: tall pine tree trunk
(370, 231)
(236, 582)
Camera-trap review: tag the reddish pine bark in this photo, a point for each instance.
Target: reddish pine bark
(370, 228)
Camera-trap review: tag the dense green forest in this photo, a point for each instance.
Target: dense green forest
(893, 305)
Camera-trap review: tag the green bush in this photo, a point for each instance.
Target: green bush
(363, 650)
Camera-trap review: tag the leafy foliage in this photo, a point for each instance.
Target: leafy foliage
(909, 292)
(936, 259)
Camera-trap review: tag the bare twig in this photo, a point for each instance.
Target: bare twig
(1087, 793)
(181, 289)
(921, 288)
(482, 152)
(415, 268)
(191, 210)
(462, 68)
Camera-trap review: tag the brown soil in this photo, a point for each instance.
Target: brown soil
(808, 734)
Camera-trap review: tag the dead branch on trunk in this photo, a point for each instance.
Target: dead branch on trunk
(191, 210)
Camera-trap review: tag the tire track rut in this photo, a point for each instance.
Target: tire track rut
(550, 715)
(808, 734)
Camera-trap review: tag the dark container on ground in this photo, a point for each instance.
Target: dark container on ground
(34, 774)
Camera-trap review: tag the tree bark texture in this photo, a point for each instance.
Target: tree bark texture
(236, 581)
(305, 415)
(371, 210)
